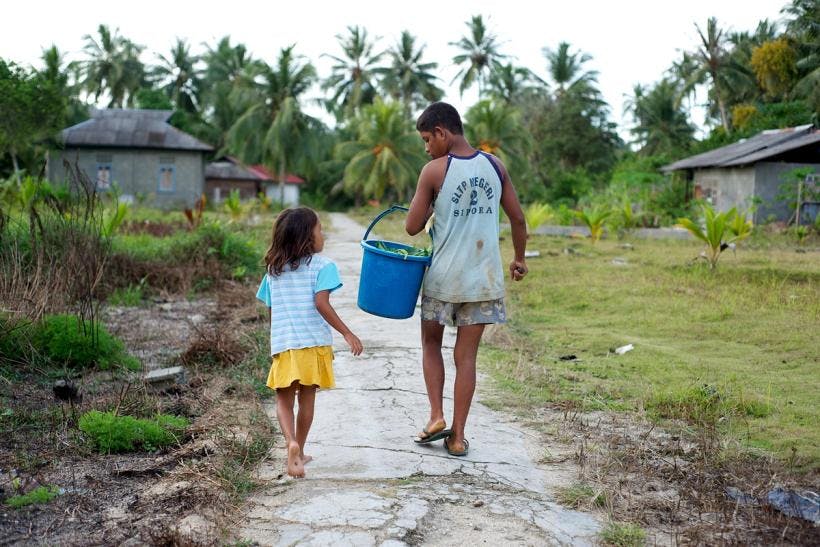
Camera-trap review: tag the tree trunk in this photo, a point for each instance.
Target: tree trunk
(16, 167)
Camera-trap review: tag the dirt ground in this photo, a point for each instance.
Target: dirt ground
(182, 496)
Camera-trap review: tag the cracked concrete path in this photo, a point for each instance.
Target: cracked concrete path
(369, 484)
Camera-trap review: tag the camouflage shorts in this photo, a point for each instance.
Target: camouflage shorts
(459, 314)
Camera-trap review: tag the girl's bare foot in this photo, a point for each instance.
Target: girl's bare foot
(306, 459)
(295, 466)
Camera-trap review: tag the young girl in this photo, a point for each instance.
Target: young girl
(296, 289)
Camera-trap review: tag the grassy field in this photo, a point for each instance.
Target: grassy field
(736, 348)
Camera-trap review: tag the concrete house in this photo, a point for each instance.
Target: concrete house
(139, 152)
(751, 170)
(227, 174)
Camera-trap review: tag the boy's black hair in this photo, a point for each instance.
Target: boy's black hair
(442, 115)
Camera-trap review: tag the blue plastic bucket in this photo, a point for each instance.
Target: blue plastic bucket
(389, 283)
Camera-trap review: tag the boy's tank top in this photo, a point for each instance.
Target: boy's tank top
(466, 262)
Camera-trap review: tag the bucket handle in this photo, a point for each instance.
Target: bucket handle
(382, 215)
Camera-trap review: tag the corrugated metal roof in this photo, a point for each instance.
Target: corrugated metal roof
(131, 128)
(265, 174)
(230, 171)
(765, 144)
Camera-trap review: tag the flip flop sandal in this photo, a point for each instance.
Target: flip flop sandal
(455, 453)
(428, 437)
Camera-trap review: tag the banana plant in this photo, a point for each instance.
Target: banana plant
(716, 227)
(594, 219)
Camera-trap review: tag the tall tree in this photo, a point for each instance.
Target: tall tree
(495, 127)
(32, 107)
(179, 76)
(112, 66)
(64, 78)
(712, 66)
(567, 71)
(661, 124)
(385, 155)
(803, 28)
(353, 74)
(408, 79)
(509, 83)
(479, 54)
(273, 129)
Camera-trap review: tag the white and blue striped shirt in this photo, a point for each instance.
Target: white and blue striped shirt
(295, 321)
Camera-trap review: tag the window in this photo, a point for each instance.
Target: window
(167, 179)
(103, 176)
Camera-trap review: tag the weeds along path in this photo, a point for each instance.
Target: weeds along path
(369, 484)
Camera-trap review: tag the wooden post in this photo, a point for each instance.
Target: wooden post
(799, 191)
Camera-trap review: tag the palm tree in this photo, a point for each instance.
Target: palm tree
(510, 84)
(408, 79)
(112, 66)
(225, 66)
(179, 76)
(712, 63)
(480, 53)
(495, 127)
(804, 29)
(661, 124)
(273, 129)
(65, 79)
(353, 75)
(567, 72)
(384, 157)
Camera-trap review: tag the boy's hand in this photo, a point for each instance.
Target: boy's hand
(354, 343)
(518, 269)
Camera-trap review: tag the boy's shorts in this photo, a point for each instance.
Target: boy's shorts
(459, 314)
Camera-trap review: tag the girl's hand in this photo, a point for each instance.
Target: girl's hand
(354, 343)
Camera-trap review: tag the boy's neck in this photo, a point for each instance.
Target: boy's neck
(460, 147)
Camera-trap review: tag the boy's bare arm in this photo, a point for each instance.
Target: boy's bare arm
(518, 225)
(322, 301)
(422, 205)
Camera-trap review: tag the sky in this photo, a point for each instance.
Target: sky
(630, 41)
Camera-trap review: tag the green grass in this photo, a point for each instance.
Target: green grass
(41, 494)
(579, 494)
(736, 347)
(623, 534)
(111, 433)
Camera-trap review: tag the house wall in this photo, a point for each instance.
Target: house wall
(726, 188)
(768, 178)
(217, 190)
(291, 198)
(139, 172)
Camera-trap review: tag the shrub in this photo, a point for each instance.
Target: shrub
(62, 340)
(41, 494)
(111, 433)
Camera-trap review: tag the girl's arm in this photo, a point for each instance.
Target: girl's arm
(322, 300)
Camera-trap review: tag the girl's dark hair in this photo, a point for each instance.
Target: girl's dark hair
(292, 239)
(442, 115)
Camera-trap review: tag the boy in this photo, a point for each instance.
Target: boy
(464, 286)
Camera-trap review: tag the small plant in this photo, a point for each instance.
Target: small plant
(623, 534)
(263, 202)
(63, 340)
(800, 233)
(194, 216)
(131, 296)
(594, 219)
(233, 206)
(112, 434)
(579, 494)
(537, 214)
(717, 225)
(41, 494)
(113, 219)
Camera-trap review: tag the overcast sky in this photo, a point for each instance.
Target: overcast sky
(631, 41)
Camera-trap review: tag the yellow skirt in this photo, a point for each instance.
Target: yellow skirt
(309, 366)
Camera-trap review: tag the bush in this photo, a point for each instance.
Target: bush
(41, 494)
(111, 433)
(63, 341)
